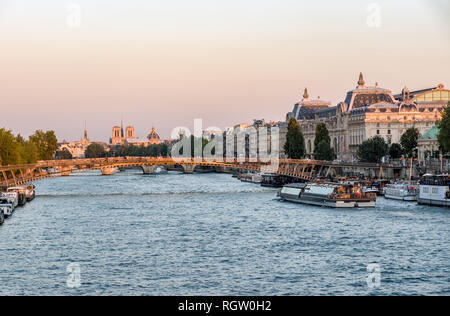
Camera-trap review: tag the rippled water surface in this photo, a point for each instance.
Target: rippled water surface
(209, 234)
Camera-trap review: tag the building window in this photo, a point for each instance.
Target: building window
(389, 132)
(378, 132)
(378, 124)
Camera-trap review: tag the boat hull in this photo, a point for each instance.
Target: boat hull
(431, 202)
(331, 203)
(408, 198)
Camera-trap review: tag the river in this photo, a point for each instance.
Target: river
(209, 234)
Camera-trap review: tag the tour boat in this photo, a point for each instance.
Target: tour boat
(251, 177)
(6, 208)
(328, 194)
(12, 197)
(273, 180)
(22, 194)
(435, 190)
(401, 191)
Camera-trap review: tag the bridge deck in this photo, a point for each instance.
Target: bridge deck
(302, 169)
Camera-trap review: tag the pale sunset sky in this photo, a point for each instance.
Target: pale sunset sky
(167, 62)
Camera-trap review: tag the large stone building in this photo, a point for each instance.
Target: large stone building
(119, 137)
(76, 148)
(367, 112)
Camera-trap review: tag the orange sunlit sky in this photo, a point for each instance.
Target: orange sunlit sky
(164, 63)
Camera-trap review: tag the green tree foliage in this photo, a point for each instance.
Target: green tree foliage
(395, 151)
(295, 142)
(95, 151)
(372, 150)
(9, 148)
(409, 140)
(160, 150)
(321, 134)
(323, 151)
(63, 154)
(46, 144)
(444, 130)
(322, 143)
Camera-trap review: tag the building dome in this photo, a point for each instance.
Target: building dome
(431, 133)
(153, 137)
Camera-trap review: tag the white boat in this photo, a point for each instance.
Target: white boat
(30, 193)
(328, 194)
(12, 197)
(402, 192)
(6, 207)
(22, 194)
(435, 190)
(251, 177)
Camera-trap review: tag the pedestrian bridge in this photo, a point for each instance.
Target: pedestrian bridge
(306, 170)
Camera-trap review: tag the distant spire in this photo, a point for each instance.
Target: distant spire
(121, 126)
(361, 81)
(305, 94)
(85, 131)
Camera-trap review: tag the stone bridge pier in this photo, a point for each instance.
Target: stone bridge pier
(188, 169)
(149, 169)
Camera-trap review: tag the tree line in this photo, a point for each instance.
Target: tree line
(371, 150)
(127, 150)
(18, 150)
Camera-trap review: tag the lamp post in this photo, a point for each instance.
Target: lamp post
(410, 170)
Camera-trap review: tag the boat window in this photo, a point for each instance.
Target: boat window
(290, 191)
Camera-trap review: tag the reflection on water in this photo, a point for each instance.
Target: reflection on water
(209, 234)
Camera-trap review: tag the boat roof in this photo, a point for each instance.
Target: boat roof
(304, 185)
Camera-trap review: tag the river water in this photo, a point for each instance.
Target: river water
(209, 234)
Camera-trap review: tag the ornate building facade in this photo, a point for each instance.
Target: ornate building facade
(119, 137)
(367, 112)
(76, 148)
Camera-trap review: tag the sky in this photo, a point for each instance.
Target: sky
(165, 63)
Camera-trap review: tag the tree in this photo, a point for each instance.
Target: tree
(323, 151)
(95, 151)
(409, 140)
(322, 143)
(372, 150)
(321, 134)
(46, 144)
(63, 154)
(9, 148)
(395, 151)
(295, 142)
(444, 130)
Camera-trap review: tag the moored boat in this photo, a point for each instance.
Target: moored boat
(30, 193)
(2, 217)
(273, 180)
(402, 191)
(435, 190)
(251, 177)
(22, 194)
(6, 208)
(328, 194)
(12, 198)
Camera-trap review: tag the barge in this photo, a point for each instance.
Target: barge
(328, 194)
(435, 191)
(402, 192)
